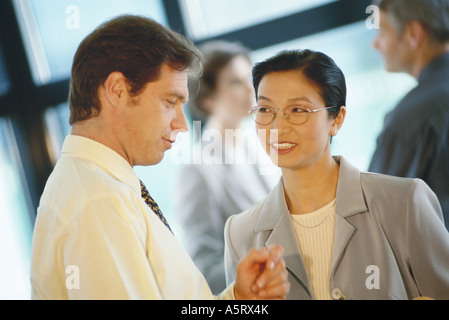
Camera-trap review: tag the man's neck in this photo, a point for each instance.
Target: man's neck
(95, 129)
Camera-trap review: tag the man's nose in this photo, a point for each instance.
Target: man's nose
(179, 124)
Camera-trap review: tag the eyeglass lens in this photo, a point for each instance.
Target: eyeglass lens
(296, 114)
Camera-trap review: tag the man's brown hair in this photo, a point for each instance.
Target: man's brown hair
(133, 45)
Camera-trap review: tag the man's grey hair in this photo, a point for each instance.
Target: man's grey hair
(432, 14)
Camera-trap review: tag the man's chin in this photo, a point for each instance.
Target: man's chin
(156, 161)
(151, 162)
(392, 68)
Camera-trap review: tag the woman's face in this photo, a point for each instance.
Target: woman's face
(289, 145)
(234, 94)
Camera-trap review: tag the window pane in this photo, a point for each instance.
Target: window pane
(57, 128)
(16, 222)
(53, 29)
(372, 91)
(207, 18)
(4, 81)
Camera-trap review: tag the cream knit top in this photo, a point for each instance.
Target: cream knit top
(315, 234)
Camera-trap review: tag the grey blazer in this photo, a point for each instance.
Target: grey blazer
(390, 240)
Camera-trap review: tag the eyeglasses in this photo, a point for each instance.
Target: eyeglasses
(295, 114)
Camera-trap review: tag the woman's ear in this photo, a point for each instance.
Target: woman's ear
(338, 121)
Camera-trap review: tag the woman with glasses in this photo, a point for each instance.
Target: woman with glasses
(347, 234)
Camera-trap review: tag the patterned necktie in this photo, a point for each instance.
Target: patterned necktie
(152, 204)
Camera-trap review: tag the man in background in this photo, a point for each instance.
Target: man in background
(414, 38)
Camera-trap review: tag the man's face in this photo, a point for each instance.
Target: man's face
(154, 118)
(392, 45)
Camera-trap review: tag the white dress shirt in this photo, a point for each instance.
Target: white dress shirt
(96, 238)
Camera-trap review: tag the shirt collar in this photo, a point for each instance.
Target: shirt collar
(440, 64)
(109, 160)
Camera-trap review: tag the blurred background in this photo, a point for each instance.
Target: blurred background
(38, 39)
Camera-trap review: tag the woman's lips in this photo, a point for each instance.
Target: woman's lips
(282, 147)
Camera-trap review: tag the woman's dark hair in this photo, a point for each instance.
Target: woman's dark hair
(133, 45)
(320, 69)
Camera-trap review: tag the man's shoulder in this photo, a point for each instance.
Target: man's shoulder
(417, 113)
(427, 99)
(74, 181)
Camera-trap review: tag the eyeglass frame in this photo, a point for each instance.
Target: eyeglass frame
(309, 112)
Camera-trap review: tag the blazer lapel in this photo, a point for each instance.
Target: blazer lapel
(275, 217)
(350, 201)
(343, 233)
(284, 234)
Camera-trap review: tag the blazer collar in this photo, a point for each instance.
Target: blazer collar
(350, 198)
(273, 208)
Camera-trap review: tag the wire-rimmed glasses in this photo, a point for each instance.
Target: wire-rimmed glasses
(295, 114)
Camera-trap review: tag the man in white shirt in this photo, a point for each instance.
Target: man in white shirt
(95, 236)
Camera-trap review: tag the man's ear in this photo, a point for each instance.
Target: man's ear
(415, 34)
(115, 88)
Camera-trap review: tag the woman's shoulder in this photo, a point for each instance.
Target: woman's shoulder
(240, 229)
(396, 194)
(247, 218)
(389, 184)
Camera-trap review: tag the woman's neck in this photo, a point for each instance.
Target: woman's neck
(311, 188)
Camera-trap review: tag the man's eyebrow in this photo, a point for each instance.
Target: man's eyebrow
(178, 96)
